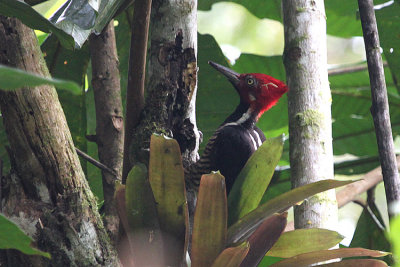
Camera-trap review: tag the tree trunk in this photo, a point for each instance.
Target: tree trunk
(172, 80)
(380, 105)
(109, 121)
(309, 98)
(47, 194)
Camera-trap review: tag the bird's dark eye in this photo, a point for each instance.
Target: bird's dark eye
(250, 81)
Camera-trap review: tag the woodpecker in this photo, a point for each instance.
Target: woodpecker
(237, 137)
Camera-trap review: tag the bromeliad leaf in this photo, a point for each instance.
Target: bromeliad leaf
(243, 228)
(210, 220)
(166, 177)
(258, 170)
(233, 256)
(312, 239)
(144, 233)
(307, 259)
(264, 238)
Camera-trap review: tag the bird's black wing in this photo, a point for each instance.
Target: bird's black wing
(232, 148)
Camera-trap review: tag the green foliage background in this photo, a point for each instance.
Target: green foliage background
(353, 131)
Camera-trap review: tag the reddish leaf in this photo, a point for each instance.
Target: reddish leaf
(232, 257)
(264, 238)
(121, 207)
(210, 220)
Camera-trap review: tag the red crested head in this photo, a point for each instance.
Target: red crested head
(260, 91)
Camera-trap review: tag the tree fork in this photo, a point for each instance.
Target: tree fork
(47, 195)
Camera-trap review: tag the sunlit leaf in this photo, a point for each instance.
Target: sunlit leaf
(323, 255)
(312, 239)
(258, 170)
(357, 262)
(166, 177)
(249, 223)
(210, 220)
(12, 237)
(33, 19)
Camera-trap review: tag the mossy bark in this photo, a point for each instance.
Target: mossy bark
(46, 193)
(171, 80)
(309, 97)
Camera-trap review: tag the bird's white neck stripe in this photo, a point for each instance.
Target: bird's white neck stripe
(253, 141)
(259, 143)
(244, 117)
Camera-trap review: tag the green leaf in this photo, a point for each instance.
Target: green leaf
(388, 19)
(367, 233)
(258, 170)
(245, 226)
(166, 177)
(210, 220)
(264, 238)
(140, 203)
(394, 237)
(312, 239)
(34, 20)
(357, 262)
(12, 78)
(144, 233)
(323, 255)
(12, 237)
(232, 257)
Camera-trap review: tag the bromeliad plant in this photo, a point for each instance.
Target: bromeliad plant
(227, 231)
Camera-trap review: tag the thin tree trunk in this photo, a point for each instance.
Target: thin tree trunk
(310, 131)
(380, 106)
(47, 194)
(109, 121)
(136, 77)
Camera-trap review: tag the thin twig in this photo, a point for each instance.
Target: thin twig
(380, 106)
(368, 209)
(350, 69)
(136, 76)
(95, 162)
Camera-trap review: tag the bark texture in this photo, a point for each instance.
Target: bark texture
(46, 194)
(311, 156)
(109, 121)
(136, 76)
(380, 106)
(171, 80)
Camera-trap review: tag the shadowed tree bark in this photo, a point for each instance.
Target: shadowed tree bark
(109, 121)
(46, 193)
(380, 106)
